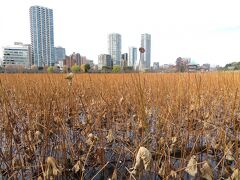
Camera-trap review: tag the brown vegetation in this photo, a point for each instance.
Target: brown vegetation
(92, 126)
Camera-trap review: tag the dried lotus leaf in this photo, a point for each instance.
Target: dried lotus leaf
(192, 166)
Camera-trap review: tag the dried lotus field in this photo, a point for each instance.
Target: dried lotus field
(120, 126)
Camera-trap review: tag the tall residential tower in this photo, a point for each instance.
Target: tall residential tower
(114, 47)
(146, 44)
(42, 36)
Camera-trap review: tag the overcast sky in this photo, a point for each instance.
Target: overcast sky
(208, 31)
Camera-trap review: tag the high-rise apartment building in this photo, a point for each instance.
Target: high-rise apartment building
(146, 44)
(132, 56)
(114, 47)
(42, 36)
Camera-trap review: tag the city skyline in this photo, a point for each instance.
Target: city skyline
(208, 32)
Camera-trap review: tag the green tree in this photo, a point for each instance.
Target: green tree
(116, 69)
(128, 69)
(50, 69)
(75, 68)
(85, 67)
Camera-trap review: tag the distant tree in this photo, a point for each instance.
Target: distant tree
(65, 69)
(228, 65)
(19, 68)
(41, 69)
(45, 69)
(85, 67)
(75, 68)
(128, 68)
(34, 68)
(116, 69)
(232, 66)
(50, 69)
(10, 68)
(106, 69)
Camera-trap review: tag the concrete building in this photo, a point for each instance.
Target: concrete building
(124, 60)
(205, 67)
(141, 64)
(193, 67)
(83, 60)
(146, 44)
(132, 58)
(156, 66)
(182, 64)
(104, 60)
(115, 47)
(60, 54)
(42, 36)
(18, 54)
(90, 62)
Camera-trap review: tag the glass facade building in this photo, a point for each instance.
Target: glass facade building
(104, 60)
(146, 44)
(17, 55)
(42, 36)
(114, 47)
(132, 57)
(60, 53)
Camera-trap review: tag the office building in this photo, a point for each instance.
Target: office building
(42, 36)
(114, 47)
(104, 60)
(17, 55)
(146, 44)
(60, 54)
(156, 66)
(132, 58)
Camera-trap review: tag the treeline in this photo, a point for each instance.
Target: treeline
(232, 66)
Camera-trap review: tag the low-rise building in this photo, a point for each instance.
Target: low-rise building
(156, 66)
(104, 60)
(18, 54)
(205, 67)
(90, 62)
(193, 67)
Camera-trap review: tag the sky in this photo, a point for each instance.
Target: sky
(207, 31)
